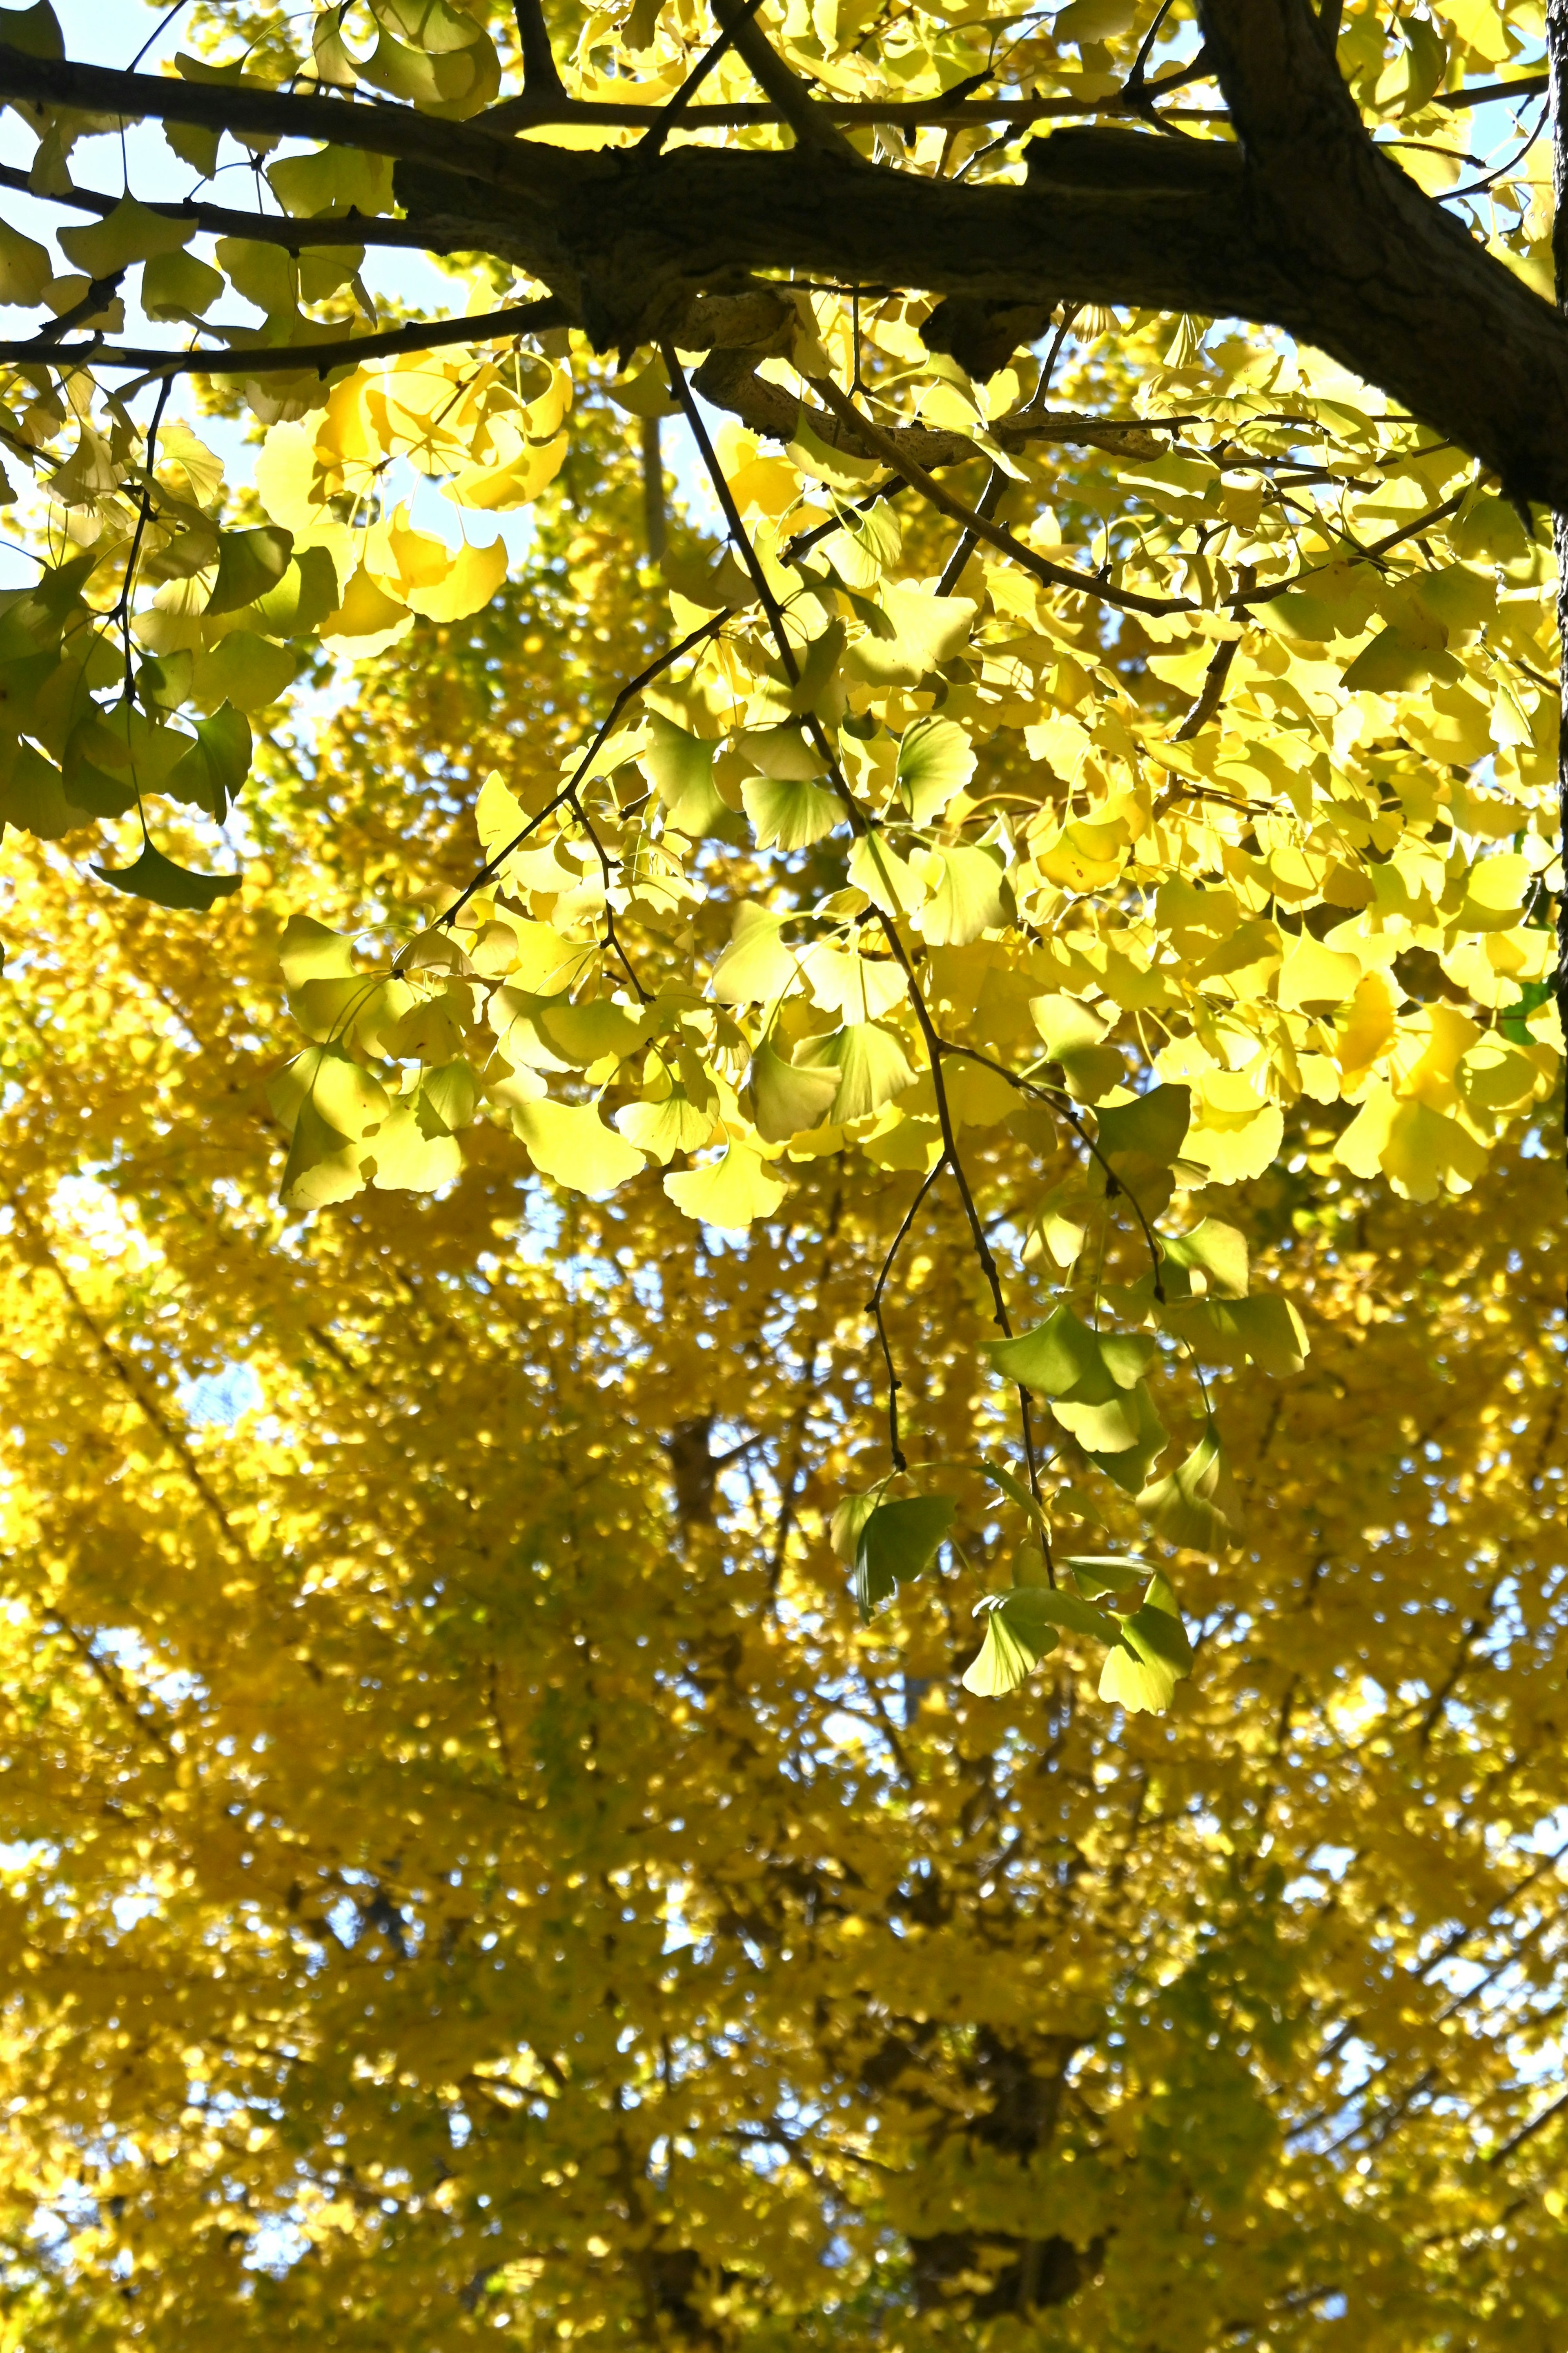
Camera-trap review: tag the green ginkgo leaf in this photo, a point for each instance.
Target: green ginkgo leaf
(1055, 1357)
(870, 1064)
(411, 1151)
(970, 897)
(756, 966)
(249, 564)
(153, 876)
(936, 759)
(1009, 1653)
(789, 813)
(787, 1099)
(672, 1123)
(212, 772)
(1196, 1504)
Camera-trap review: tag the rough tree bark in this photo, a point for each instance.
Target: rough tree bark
(1557, 58)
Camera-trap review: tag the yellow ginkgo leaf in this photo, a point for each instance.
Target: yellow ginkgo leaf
(474, 575)
(730, 1193)
(571, 1143)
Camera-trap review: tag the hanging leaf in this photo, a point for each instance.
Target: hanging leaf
(249, 564)
(571, 1143)
(896, 1544)
(870, 1064)
(788, 815)
(936, 760)
(153, 876)
(1197, 1505)
(212, 772)
(1010, 1652)
(730, 1193)
(786, 1099)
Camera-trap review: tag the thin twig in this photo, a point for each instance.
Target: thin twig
(1053, 576)
(492, 865)
(874, 1309)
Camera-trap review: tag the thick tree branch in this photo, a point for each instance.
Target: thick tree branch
(1307, 225)
(541, 74)
(811, 126)
(1381, 276)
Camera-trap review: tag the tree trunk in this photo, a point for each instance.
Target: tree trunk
(1557, 58)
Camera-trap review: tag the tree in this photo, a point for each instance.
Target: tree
(836, 1120)
(840, 749)
(442, 1885)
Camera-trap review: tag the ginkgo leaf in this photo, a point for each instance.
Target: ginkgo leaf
(1267, 1330)
(1007, 1656)
(900, 1538)
(177, 286)
(323, 1166)
(1153, 1126)
(310, 950)
(212, 772)
(474, 575)
(334, 180)
(1212, 1259)
(936, 760)
(367, 613)
(787, 815)
(1130, 1466)
(1054, 1357)
(872, 1066)
(249, 564)
(668, 1124)
(679, 768)
(757, 967)
(849, 1516)
(153, 876)
(25, 268)
(345, 1095)
(544, 964)
(1107, 1572)
(411, 1151)
(786, 1098)
(730, 1193)
(968, 896)
(571, 1143)
(451, 1094)
(33, 793)
(1069, 1026)
(591, 1029)
(1196, 1504)
(248, 672)
(129, 233)
(889, 880)
(1138, 1683)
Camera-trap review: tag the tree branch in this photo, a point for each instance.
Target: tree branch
(541, 74)
(298, 359)
(1306, 225)
(1053, 576)
(729, 379)
(811, 126)
(289, 230)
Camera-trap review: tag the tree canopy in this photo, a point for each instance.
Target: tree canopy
(785, 1529)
